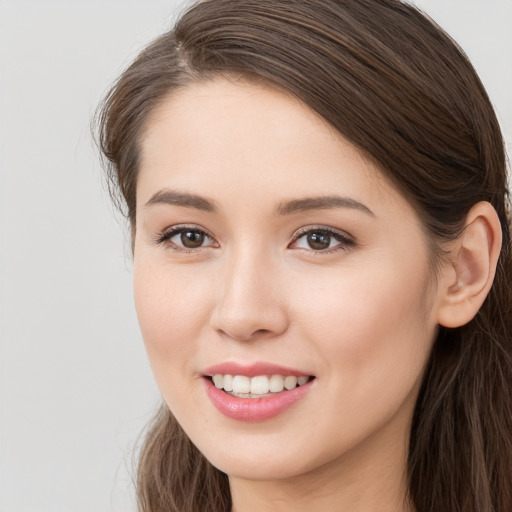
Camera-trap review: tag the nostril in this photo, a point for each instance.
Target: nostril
(237, 334)
(260, 332)
(248, 313)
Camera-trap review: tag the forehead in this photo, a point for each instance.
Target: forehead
(201, 112)
(216, 133)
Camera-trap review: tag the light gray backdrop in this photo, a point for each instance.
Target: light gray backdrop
(75, 387)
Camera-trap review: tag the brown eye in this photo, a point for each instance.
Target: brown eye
(322, 240)
(185, 239)
(192, 239)
(318, 240)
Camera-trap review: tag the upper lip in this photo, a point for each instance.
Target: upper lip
(252, 369)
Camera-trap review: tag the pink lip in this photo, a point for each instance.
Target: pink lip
(252, 370)
(254, 409)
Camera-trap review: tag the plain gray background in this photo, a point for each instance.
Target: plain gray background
(75, 387)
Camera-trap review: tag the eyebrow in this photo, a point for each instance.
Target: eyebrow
(188, 200)
(321, 203)
(173, 197)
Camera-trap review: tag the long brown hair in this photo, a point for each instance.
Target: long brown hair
(395, 85)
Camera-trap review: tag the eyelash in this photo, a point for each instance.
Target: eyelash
(165, 237)
(345, 241)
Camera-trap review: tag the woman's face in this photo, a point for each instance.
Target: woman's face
(267, 247)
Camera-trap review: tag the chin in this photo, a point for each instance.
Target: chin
(257, 467)
(270, 459)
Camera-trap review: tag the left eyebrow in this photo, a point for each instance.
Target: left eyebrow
(321, 203)
(174, 197)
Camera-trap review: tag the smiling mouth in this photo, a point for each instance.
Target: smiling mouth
(260, 386)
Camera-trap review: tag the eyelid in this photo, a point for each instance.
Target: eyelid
(346, 241)
(164, 237)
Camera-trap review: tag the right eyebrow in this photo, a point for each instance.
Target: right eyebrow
(321, 203)
(173, 197)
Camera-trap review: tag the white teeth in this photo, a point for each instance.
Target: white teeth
(228, 382)
(260, 385)
(290, 382)
(218, 380)
(276, 383)
(241, 384)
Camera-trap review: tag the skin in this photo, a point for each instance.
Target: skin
(361, 317)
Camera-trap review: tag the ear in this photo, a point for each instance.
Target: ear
(468, 277)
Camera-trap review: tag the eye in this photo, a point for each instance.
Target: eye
(321, 240)
(185, 239)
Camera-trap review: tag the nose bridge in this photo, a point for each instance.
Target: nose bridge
(248, 302)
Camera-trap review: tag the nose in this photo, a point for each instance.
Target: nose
(250, 302)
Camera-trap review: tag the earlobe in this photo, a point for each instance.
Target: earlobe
(469, 277)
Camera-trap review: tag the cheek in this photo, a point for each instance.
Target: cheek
(172, 309)
(373, 329)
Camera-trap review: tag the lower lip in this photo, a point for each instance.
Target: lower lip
(254, 409)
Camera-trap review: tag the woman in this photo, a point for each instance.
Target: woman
(317, 196)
